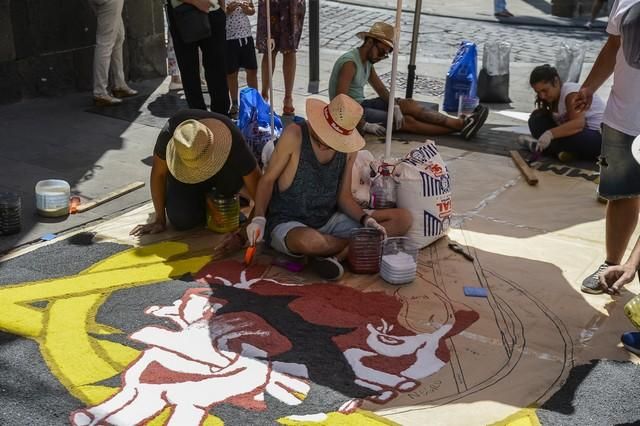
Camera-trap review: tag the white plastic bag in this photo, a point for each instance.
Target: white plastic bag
(361, 178)
(424, 189)
(569, 60)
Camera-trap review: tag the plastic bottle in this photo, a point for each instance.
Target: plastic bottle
(383, 189)
(223, 212)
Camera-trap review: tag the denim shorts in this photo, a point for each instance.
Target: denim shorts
(339, 225)
(619, 171)
(375, 111)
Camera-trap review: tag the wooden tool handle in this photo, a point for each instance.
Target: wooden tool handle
(108, 197)
(527, 172)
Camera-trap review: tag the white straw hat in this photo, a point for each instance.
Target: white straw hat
(335, 123)
(198, 150)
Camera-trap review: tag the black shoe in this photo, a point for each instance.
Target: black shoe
(326, 267)
(473, 122)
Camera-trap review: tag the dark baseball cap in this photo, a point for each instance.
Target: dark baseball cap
(630, 30)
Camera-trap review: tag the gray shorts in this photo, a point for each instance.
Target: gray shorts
(339, 225)
(375, 111)
(619, 171)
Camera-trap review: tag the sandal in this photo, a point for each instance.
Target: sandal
(288, 110)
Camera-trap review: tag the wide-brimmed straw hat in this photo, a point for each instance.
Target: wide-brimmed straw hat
(335, 122)
(198, 151)
(381, 31)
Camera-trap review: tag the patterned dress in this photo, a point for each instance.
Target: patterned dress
(287, 20)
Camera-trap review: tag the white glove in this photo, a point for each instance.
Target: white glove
(374, 128)
(372, 223)
(255, 230)
(398, 118)
(544, 140)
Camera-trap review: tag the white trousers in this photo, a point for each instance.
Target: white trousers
(107, 58)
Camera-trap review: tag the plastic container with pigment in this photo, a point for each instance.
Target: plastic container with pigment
(10, 213)
(52, 198)
(399, 262)
(364, 250)
(223, 213)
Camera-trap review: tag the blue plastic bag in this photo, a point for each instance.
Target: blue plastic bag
(462, 78)
(254, 121)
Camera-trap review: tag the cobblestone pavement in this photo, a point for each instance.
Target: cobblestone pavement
(439, 37)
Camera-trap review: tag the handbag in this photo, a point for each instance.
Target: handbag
(192, 23)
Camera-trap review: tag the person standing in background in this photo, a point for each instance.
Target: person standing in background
(500, 9)
(287, 20)
(595, 10)
(241, 51)
(107, 59)
(213, 56)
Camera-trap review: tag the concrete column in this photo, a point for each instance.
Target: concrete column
(145, 50)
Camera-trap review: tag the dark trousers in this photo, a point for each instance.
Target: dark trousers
(213, 62)
(584, 145)
(186, 204)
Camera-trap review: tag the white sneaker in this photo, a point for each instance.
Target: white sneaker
(124, 92)
(105, 100)
(175, 86)
(528, 142)
(588, 25)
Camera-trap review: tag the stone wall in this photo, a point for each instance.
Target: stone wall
(46, 46)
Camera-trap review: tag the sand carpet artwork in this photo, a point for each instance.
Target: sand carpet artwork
(112, 330)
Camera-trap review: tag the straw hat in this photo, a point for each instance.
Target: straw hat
(335, 123)
(381, 31)
(198, 151)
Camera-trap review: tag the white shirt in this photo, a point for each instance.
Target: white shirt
(593, 116)
(623, 108)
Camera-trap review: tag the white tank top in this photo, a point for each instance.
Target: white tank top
(593, 116)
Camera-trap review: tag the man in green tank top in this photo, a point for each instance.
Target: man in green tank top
(304, 205)
(353, 70)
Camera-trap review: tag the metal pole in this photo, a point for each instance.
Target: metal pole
(314, 46)
(270, 47)
(392, 89)
(411, 76)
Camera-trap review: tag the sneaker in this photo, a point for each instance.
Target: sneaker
(473, 122)
(588, 25)
(174, 85)
(565, 157)
(106, 100)
(528, 142)
(632, 311)
(631, 341)
(591, 284)
(503, 14)
(327, 267)
(124, 92)
(233, 111)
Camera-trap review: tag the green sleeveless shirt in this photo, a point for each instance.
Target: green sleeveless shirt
(356, 88)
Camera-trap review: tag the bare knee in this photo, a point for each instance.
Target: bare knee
(404, 220)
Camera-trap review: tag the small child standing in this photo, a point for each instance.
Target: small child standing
(240, 48)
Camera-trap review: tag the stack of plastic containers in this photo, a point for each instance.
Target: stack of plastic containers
(223, 213)
(10, 212)
(365, 250)
(399, 262)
